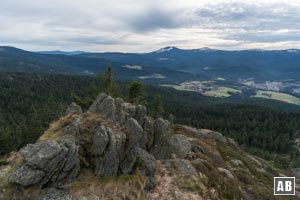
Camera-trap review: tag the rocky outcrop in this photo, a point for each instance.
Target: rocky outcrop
(181, 146)
(202, 133)
(26, 176)
(74, 109)
(148, 127)
(86, 150)
(100, 139)
(135, 135)
(48, 163)
(145, 162)
(117, 110)
(162, 145)
(108, 162)
(112, 138)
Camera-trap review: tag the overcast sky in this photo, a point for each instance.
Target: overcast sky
(147, 25)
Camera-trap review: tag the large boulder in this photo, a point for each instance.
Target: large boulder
(181, 146)
(189, 131)
(108, 163)
(100, 139)
(26, 176)
(148, 127)
(134, 136)
(73, 109)
(117, 110)
(105, 106)
(162, 146)
(97, 104)
(213, 135)
(166, 144)
(71, 167)
(145, 162)
(201, 133)
(121, 115)
(140, 113)
(48, 163)
(39, 154)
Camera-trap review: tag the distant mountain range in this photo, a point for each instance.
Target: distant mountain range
(256, 63)
(17, 60)
(164, 65)
(58, 52)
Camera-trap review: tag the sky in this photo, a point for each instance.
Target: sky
(148, 25)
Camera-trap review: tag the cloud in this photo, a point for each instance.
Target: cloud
(252, 22)
(257, 16)
(155, 19)
(131, 25)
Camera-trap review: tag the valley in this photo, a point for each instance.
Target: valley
(209, 72)
(285, 92)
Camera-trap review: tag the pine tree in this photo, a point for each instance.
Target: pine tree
(109, 84)
(136, 92)
(156, 106)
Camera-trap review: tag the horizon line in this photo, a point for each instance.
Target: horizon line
(163, 48)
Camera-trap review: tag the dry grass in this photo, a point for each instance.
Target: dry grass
(173, 186)
(258, 185)
(106, 188)
(54, 131)
(14, 160)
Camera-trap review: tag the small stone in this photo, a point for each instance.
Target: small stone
(226, 172)
(56, 194)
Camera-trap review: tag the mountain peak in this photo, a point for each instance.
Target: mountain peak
(59, 52)
(165, 49)
(207, 49)
(293, 50)
(204, 48)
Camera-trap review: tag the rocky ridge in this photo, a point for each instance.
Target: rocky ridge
(115, 151)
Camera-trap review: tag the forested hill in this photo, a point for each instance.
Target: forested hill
(17, 60)
(29, 102)
(174, 64)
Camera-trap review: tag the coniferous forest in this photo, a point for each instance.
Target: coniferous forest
(29, 102)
